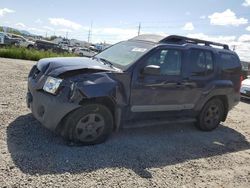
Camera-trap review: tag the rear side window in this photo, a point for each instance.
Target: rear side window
(229, 62)
(201, 62)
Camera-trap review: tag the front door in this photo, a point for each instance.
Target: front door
(165, 91)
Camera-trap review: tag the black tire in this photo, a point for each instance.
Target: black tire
(91, 124)
(211, 115)
(30, 46)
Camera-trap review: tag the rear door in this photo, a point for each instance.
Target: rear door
(199, 72)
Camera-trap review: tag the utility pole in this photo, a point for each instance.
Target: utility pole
(90, 32)
(234, 47)
(139, 29)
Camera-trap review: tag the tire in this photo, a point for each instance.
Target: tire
(89, 125)
(211, 115)
(30, 46)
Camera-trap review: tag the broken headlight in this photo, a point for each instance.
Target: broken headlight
(52, 84)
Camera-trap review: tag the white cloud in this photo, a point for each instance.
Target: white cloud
(65, 23)
(248, 28)
(227, 17)
(48, 28)
(220, 38)
(188, 26)
(20, 25)
(244, 38)
(246, 3)
(36, 30)
(242, 45)
(5, 11)
(112, 34)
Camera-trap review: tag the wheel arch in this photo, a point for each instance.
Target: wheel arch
(105, 101)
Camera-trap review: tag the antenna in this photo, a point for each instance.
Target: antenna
(90, 32)
(139, 28)
(234, 47)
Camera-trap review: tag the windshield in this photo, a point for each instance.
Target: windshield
(125, 53)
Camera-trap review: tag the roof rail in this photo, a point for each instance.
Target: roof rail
(182, 40)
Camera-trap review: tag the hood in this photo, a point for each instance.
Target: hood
(246, 82)
(57, 66)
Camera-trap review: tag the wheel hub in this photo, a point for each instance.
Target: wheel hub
(90, 127)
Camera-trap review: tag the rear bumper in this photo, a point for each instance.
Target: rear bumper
(46, 108)
(245, 96)
(245, 92)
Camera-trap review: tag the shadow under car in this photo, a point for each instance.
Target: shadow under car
(35, 150)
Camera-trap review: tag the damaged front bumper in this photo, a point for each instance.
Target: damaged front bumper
(47, 108)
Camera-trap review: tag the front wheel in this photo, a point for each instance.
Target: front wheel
(211, 115)
(91, 124)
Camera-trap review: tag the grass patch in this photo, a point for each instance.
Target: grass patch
(29, 54)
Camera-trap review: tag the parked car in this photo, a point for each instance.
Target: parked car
(23, 42)
(146, 80)
(47, 45)
(245, 88)
(26, 43)
(64, 45)
(84, 52)
(6, 39)
(245, 69)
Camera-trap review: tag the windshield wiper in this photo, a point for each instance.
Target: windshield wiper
(105, 61)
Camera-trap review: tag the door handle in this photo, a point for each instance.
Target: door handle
(187, 83)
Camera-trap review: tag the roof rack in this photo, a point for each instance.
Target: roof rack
(182, 40)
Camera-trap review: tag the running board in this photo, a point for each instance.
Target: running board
(146, 123)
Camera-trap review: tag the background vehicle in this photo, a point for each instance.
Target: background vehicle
(8, 40)
(1, 38)
(47, 45)
(64, 45)
(23, 42)
(245, 88)
(147, 80)
(84, 52)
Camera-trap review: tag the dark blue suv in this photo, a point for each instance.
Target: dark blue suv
(146, 80)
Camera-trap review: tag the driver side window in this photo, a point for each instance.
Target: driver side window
(169, 61)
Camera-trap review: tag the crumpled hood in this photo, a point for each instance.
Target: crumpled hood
(57, 66)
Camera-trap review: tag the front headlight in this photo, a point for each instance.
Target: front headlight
(52, 84)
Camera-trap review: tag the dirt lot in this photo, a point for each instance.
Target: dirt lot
(160, 156)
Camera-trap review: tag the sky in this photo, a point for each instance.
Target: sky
(226, 21)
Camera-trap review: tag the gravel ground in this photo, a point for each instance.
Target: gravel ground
(160, 156)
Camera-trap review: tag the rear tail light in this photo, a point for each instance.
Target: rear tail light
(241, 79)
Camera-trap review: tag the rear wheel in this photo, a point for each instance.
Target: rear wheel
(211, 115)
(88, 125)
(30, 46)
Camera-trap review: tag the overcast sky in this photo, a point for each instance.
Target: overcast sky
(113, 20)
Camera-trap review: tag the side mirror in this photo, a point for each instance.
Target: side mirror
(152, 69)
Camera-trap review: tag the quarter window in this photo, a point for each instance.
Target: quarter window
(168, 60)
(229, 61)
